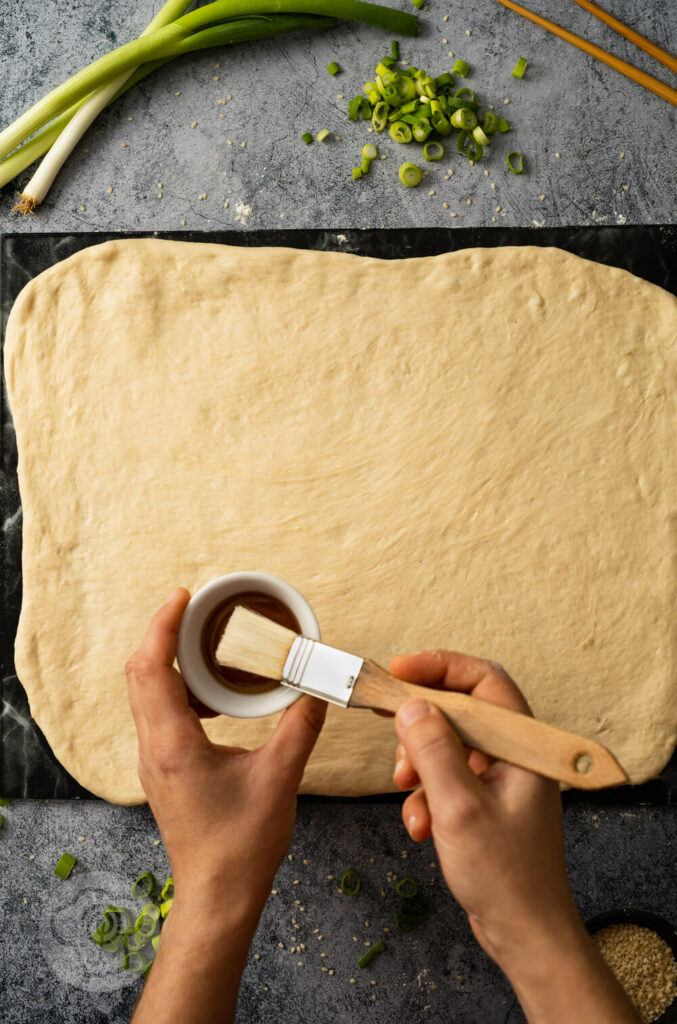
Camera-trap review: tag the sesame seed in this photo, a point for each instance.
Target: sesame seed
(541, 198)
(32, 857)
(367, 942)
(110, 191)
(297, 903)
(625, 188)
(340, 96)
(450, 54)
(296, 882)
(222, 115)
(506, 101)
(330, 878)
(265, 988)
(445, 18)
(331, 972)
(273, 892)
(300, 964)
(320, 938)
(280, 945)
(352, 981)
(25, 901)
(203, 195)
(229, 142)
(230, 95)
(159, 195)
(325, 969)
(467, 31)
(432, 192)
(557, 155)
(622, 156)
(193, 124)
(123, 145)
(372, 982)
(354, 938)
(383, 894)
(177, 93)
(183, 223)
(388, 929)
(372, 860)
(222, 102)
(306, 862)
(451, 215)
(83, 208)
(469, 202)
(373, 999)
(366, 924)
(494, 188)
(323, 955)
(404, 854)
(256, 956)
(498, 209)
(130, 118)
(243, 145)
(493, 220)
(215, 78)
(445, 41)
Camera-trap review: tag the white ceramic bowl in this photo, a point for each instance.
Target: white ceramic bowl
(194, 669)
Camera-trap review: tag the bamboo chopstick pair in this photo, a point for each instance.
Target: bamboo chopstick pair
(666, 92)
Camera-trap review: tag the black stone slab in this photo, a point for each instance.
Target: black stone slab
(27, 766)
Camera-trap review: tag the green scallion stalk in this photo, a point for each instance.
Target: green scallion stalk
(166, 42)
(395, 50)
(307, 138)
(418, 4)
(357, 173)
(517, 169)
(37, 188)
(410, 175)
(461, 69)
(371, 954)
(520, 68)
(333, 68)
(433, 151)
(504, 126)
(64, 865)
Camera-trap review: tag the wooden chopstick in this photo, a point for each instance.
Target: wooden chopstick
(641, 41)
(648, 81)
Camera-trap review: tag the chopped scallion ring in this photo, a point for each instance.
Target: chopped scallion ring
(166, 907)
(520, 68)
(400, 132)
(65, 865)
(322, 134)
(504, 126)
(433, 151)
(412, 911)
(464, 94)
(307, 138)
(143, 886)
(422, 129)
(410, 175)
(369, 151)
(147, 921)
(464, 119)
(379, 116)
(479, 136)
(168, 888)
(333, 68)
(490, 123)
(406, 888)
(155, 942)
(354, 108)
(469, 146)
(461, 68)
(395, 50)
(508, 160)
(371, 954)
(134, 962)
(350, 882)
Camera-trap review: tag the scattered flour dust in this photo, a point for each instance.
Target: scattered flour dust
(243, 211)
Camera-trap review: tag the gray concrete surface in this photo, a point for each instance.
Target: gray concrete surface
(568, 104)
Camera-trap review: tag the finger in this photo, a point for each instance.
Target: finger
(436, 753)
(404, 775)
(157, 693)
(464, 673)
(416, 816)
(290, 746)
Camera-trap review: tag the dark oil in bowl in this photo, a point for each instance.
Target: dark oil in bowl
(214, 628)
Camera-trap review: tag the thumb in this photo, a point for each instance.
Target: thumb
(436, 753)
(290, 746)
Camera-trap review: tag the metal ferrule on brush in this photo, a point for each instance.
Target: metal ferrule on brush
(322, 671)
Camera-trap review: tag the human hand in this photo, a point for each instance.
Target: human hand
(226, 814)
(497, 828)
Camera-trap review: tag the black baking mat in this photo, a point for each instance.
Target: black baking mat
(27, 766)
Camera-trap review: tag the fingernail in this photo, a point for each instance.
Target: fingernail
(399, 765)
(412, 822)
(412, 711)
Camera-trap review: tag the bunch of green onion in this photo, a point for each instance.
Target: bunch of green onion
(55, 124)
(416, 107)
(138, 942)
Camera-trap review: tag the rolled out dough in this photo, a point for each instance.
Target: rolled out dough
(475, 451)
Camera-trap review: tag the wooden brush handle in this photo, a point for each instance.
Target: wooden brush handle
(506, 735)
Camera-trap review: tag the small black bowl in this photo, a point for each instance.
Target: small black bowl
(644, 919)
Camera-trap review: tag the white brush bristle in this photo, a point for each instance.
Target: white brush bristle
(255, 644)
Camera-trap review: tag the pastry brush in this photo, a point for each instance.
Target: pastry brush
(255, 644)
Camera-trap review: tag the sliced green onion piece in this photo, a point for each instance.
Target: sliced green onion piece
(125, 918)
(469, 146)
(368, 88)
(388, 61)
(168, 888)
(490, 123)
(357, 173)
(444, 81)
(379, 116)
(459, 104)
(400, 132)
(374, 97)
(464, 94)
(406, 888)
(395, 50)
(333, 68)
(369, 151)
(426, 87)
(143, 886)
(422, 130)
(479, 136)
(365, 110)
(350, 882)
(461, 68)
(147, 921)
(410, 175)
(4, 800)
(322, 134)
(406, 89)
(409, 108)
(354, 108)
(133, 940)
(413, 911)
(440, 123)
(504, 126)
(366, 164)
(307, 138)
(167, 905)
(371, 954)
(64, 865)
(433, 151)
(134, 962)
(2, 821)
(466, 120)
(382, 69)
(418, 4)
(520, 68)
(155, 942)
(508, 160)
